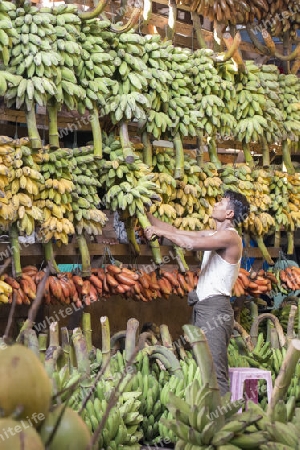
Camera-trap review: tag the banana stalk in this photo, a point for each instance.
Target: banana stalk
(263, 249)
(54, 351)
(179, 158)
(130, 224)
(197, 27)
(130, 340)
(105, 328)
(33, 134)
(244, 335)
(31, 341)
(15, 249)
(87, 15)
(87, 330)
(167, 358)
(116, 337)
(180, 258)
(285, 376)
(43, 338)
(66, 347)
(265, 152)
(213, 153)
(147, 151)
(85, 255)
(200, 151)
(132, 21)
(166, 337)
(291, 323)
(277, 236)
(49, 257)
(286, 157)
(144, 222)
(52, 108)
(147, 11)
(128, 153)
(278, 328)
(247, 153)
(290, 242)
(203, 357)
(81, 352)
(171, 20)
(96, 130)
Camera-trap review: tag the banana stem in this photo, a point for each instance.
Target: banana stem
(247, 153)
(265, 152)
(15, 249)
(291, 323)
(53, 334)
(130, 223)
(213, 154)
(199, 153)
(49, 257)
(166, 337)
(285, 375)
(54, 351)
(204, 360)
(130, 340)
(144, 222)
(290, 242)
(171, 20)
(147, 151)
(87, 330)
(128, 153)
(81, 352)
(96, 11)
(198, 29)
(33, 134)
(277, 237)
(147, 11)
(180, 259)
(253, 310)
(42, 339)
(96, 130)
(286, 157)
(132, 21)
(179, 158)
(66, 346)
(52, 108)
(105, 328)
(278, 328)
(261, 245)
(85, 256)
(31, 341)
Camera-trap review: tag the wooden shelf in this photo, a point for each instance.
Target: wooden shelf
(69, 254)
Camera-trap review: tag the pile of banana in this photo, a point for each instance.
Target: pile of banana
(283, 15)
(85, 199)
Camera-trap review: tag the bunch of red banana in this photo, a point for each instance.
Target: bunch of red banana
(103, 283)
(253, 283)
(290, 276)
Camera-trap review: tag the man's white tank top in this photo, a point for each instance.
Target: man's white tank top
(217, 276)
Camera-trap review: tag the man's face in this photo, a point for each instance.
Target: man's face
(222, 210)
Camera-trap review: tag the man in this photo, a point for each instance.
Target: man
(219, 270)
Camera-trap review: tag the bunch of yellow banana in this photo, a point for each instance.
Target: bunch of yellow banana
(5, 292)
(279, 195)
(293, 184)
(55, 196)
(166, 184)
(259, 225)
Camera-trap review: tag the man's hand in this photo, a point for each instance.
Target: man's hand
(151, 232)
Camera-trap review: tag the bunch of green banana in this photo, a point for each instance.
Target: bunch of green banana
(55, 197)
(33, 56)
(236, 355)
(97, 65)
(156, 55)
(132, 75)
(279, 194)
(7, 31)
(289, 95)
(128, 186)
(226, 91)
(85, 200)
(283, 316)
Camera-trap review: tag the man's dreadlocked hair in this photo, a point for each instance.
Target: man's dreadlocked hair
(239, 204)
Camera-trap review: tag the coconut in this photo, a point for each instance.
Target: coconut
(71, 432)
(18, 435)
(24, 384)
